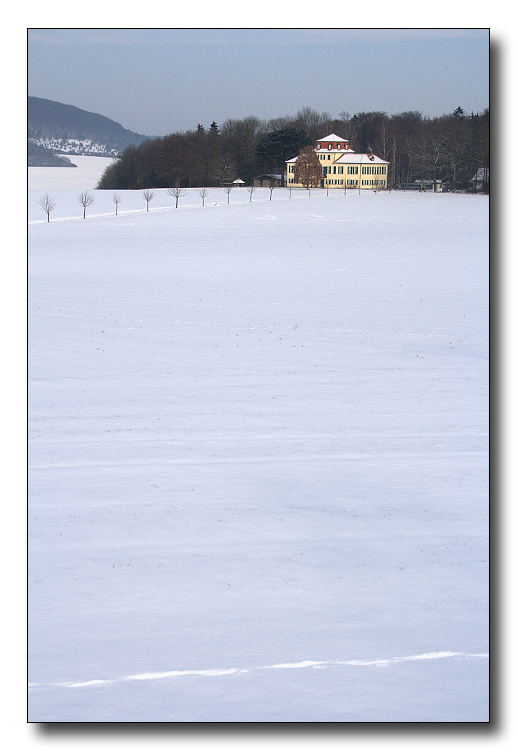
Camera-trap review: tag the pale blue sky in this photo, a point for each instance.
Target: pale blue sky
(158, 81)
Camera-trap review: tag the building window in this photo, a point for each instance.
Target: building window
(340, 170)
(329, 146)
(318, 145)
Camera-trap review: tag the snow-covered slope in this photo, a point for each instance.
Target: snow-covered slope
(258, 485)
(75, 146)
(49, 179)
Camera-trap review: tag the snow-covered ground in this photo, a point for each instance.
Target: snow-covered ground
(84, 176)
(258, 457)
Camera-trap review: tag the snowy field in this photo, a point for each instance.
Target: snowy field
(258, 456)
(84, 176)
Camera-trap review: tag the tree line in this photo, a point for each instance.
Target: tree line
(451, 148)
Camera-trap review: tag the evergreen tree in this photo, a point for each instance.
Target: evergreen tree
(279, 145)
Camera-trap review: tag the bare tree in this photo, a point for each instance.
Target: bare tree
(458, 166)
(313, 122)
(47, 204)
(348, 127)
(227, 189)
(430, 156)
(203, 195)
(251, 190)
(85, 199)
(177, 193)
(224, 170)
(116, 198)
(148, 195)
(307, 169)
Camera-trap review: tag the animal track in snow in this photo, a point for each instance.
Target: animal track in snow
(213, 672)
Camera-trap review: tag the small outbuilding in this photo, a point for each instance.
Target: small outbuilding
(479, 183)
(268, 180)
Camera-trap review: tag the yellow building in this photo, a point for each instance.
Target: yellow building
(343, 168)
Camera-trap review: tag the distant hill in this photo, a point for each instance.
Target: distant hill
(38, 156)
(64, 129)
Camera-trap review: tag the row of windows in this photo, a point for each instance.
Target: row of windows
(330, 146)
(327, 170)
(351, 182)
(354, 170)
(374, 170)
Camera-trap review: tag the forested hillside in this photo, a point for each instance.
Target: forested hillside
(450, 148)
(39, 156)
(67, 129)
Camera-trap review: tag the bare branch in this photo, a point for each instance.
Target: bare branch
(47, 204)
(116, 198)
(85, 199)
(148, 195)
(177, 193)
(307, 169)
(227, 190)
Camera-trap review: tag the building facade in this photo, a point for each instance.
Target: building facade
(344, 168)
(268, 180)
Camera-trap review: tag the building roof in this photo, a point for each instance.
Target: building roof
(481, 174)
(270, 174)
(333, 137)
(350, 157)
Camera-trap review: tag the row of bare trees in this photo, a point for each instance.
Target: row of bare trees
(85, 199)
(450, 148)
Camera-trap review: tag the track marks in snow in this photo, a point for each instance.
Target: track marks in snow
(381, 662)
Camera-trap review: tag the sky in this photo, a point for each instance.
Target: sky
(160, 81)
